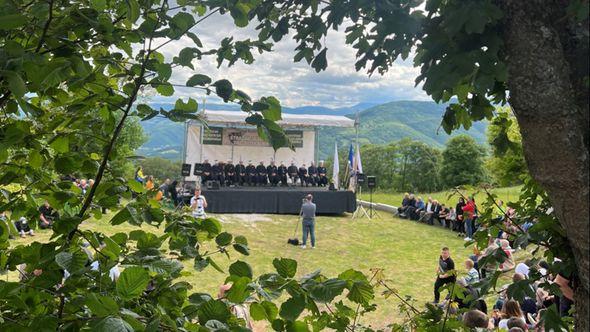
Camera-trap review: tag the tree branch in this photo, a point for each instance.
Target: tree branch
(46, 27)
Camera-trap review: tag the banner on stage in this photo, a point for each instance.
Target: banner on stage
(244, 137)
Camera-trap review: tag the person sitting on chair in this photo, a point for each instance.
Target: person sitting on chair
(303, 176)
(282, 174)
(206, 172)
(251, 174)
(322, 173)
(230, 173)
(293, 173)
(241, 173)
(217, 172)
(271, 171)
(198, 204)
(313, 174)
(261, 173)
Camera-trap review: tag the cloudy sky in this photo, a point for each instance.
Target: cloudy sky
(295, 84)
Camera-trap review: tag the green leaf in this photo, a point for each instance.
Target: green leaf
(265, 310)
(273, 111)
(238, 292)
(198, 80)
(132, 282)
(136, 186)
(240, 269)
(223, 239)
(242, 249)
(72, 262)
(212, 226)
(361, 292)
(285, 267)
(15, 82)
(292, 308)
(35, 159)
(224, 89)
(61, 144)
(320, 63)
(132, 10)
(101, 306)
(213, 310)
(239, 12)
(111, 324)
(12, 21)
(326, 291)
(165, 89)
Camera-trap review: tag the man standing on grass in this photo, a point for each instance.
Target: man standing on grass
(445, 272)
(308, 220)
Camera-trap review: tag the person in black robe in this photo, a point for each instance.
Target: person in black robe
(303, 176)
(251, 174)
(230, 173)
(217, 172)
(241, 173)
(293, 173)
(261, 173)
(282, 174)
(312, 172)
(271, 171)
(322, 175)
(206, 172)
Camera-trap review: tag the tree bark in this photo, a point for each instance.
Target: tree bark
(550, 100)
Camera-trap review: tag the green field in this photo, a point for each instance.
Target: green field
(447, 197)
(408, 252)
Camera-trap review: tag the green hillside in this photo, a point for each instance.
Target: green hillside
(418, 120)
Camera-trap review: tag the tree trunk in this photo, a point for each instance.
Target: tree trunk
(547, 64)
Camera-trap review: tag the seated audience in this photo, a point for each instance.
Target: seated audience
(475, 319)
(47, 216)
(22, 226)
(510, 309)
(472, 274)
(402, 209)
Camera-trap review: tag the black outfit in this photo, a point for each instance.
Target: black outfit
(251, 175)
(293, 173)
(49, 214)
(323, 176)
(230, 174)
(402, 209)
(206, 173)
(217, 173)
(313, 175)
(173, 193)
(282, 174)
(261, 173)
(241, 174)
(303, 176)
(434, 216)
(445, 266)
(272, 172)
(459, 225)
(22, 226)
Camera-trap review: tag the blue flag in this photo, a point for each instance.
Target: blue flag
(350, 156)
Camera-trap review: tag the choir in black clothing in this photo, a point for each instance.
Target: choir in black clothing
(228, 174)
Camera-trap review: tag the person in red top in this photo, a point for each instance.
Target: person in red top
(468, 214)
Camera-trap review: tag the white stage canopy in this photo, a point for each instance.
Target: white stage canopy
(228, 137)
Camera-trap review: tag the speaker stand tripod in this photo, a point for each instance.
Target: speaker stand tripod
(372, 211)
(360, 209)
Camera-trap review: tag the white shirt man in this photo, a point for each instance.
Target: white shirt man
(198, 204)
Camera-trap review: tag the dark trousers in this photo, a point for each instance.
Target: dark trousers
(323, 181)
(438, 284)
(230, 179)
(22, 227)
(273, 179)
(294, 178)
(252, 179)
(314, 180)
(241, 179)
(262, 179)
(283, 179)
(304, 180)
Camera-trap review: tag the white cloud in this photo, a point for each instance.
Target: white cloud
(295, 84)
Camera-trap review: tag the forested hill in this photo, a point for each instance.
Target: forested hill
(418, 120)
(380, 124)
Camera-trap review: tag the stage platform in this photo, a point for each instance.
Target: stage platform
(277, 200)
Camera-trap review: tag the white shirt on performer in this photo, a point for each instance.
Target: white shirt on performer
(199, 207)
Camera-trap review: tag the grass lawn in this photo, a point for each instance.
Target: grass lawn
(408, 252)
(506, 194)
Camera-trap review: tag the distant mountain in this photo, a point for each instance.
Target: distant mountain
(379, 124)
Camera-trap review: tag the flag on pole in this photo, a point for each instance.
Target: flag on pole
(351, 157)
(357, 160)
(336, 168)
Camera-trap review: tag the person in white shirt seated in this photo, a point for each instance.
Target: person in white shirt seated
(198, 204)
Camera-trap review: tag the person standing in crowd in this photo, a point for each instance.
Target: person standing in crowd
(207, 168)
(149, 183)
(47, 216)
(313, 174)
(303, 176)
(251, 174)
(323, 174)
(282, 174)
(139, 177)
(468, 215)
(293, 173)
(230, 173)
(271, 171)
(460, 225)
(198, 204)
(445, 272)
(308, 209)
(261, 174)
(241, 173)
